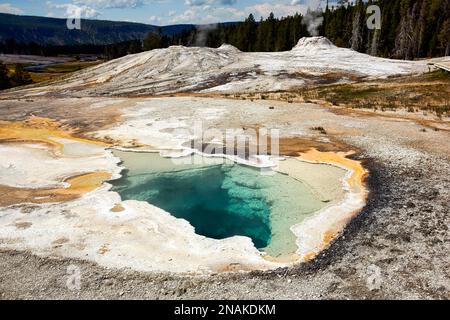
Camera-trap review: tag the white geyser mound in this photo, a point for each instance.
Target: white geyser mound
(226, 69)
(314, 44)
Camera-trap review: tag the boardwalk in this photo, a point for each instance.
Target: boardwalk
(443, 65)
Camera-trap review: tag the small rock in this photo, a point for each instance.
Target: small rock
(180, 291)
(410, 205)
(108, 282)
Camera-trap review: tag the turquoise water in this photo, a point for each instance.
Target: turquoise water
(221, 200)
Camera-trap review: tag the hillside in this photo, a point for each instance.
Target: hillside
(315, 60)
(53, 31)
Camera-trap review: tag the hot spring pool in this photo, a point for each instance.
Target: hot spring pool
(222, 199)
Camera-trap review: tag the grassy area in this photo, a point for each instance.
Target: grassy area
(55, 71)
(70, 66)
(429, 92)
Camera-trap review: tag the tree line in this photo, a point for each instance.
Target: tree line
(18, 77)
(110, 51)
(409, 29)
(271, 34)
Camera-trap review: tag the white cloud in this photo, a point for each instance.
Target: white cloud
(74, 11)
(205, 11)
(186, 16)
(278, 9)
(90, 8)
(110, 4)
(197, 3)
(208, 14)
(8, 8)
(154, 19)
(312, 4)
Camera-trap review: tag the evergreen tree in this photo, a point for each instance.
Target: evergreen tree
(358, 27)
(135, 47)
(444, 37)
(21, 76)
(4, 79)
(421, 28)
(152, 41)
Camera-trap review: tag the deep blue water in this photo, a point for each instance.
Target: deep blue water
(210, 198)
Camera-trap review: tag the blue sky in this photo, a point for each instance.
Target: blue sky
(159, 12)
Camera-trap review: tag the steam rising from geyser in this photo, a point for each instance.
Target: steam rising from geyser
(313, 17)
(202, 33)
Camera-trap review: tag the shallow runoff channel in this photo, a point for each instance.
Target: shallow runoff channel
(222, 199)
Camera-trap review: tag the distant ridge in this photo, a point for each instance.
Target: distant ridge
(53, 31)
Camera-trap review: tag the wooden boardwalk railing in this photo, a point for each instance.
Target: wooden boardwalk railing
(443, 66)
